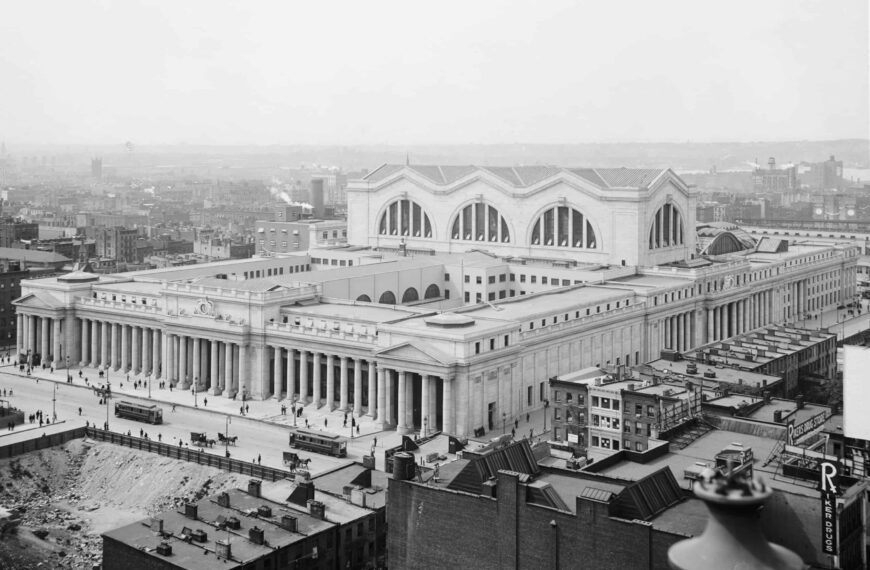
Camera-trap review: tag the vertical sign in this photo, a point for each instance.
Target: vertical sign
(829, 486)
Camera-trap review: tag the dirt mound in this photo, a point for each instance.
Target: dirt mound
(69, 495)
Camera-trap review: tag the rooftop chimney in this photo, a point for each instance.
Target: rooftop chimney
(255, 535)
(317, 509)
(766, 396)
(403, 466)
(289, 523)
(157, 525)
(317, 197)
(164, 549)
(799, 400)
(190, 510)
(254, 487)
(223, 499)
(222, 549)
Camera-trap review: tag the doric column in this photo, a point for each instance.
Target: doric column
(19, 335)
(278, 377)
(401, 413)
(424, 406)
(409, 402)
(125, 348)
(182, 362)
(169, 358)
(316, 380)
(135, 347)
(679, 327)
(104, 345)
(146, 351)
(196, 364)
(342, 395)
(32, 330)
(447, 407)
(155, 353)
(291, 373)
(56, 348)
(214, 368)
(95, 346)
(244, 379)
(116, 347)
(382, 394)
(303, 376)
(228, 369)
(711, 324)
(330, 382)
(86, 343)
(357, 386)
(44, 338)
(373, 384)
(391, 387)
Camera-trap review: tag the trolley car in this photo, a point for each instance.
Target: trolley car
(319, 442)
(140, 412)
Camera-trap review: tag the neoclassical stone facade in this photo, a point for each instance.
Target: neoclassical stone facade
(464, 340)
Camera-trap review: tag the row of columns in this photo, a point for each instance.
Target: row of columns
(738, 317)
(120, 347)
(43, 335)
(679, 331)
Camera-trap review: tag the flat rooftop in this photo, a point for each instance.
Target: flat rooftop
(722, 372)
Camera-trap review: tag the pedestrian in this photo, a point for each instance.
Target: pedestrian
(87, 424)
(527, 418)
(375, 444)
(357, 429)
(80, 373)
(205, 401)
(259, 462)
(513, 433)
(159, 437)
(325, 422)
(516, 423)
(52, 369)
(242, 410)
(106, 426)
(141, 431)
(173, 407)
(247, 409)
(306, 422)
(344, 423)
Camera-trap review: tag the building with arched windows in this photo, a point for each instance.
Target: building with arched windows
(582, 215)
(463, 291)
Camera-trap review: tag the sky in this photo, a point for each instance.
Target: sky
(438, 72)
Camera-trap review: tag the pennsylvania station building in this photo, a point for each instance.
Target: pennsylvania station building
(461, 291)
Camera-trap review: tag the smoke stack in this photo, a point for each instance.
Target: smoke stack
(254, 487)
(190, 511)
(222, 549)
(317, 197)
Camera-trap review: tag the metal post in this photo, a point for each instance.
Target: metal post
(294, 409)
(53, 400)
(227, 437)
(503, 423)
(149, 386)
(546, 407)
(195, 385)
(106, 398)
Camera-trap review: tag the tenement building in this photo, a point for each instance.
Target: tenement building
(463, 290)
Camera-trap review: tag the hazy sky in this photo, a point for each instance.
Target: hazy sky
(405, 72)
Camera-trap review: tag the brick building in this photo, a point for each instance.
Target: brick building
(13, 231)
(11, 274)
(501, 510)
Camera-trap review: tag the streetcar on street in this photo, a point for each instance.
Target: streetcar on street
(139, 412)
(319, 442)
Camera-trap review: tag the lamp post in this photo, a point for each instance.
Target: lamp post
(227, 437)
(195, 386)
(546, 407)
(504, 423)
(68, 375)
(106, 398)
(53, 400)
(149, 386)
(293, 407)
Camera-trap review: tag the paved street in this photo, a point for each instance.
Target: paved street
(262, 430)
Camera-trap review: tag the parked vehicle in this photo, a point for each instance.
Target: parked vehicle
(140, 412)
(319, 442)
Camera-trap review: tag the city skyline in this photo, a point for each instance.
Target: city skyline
(557, 73)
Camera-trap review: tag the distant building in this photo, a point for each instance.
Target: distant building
(210, 244)
(294, 237)
(97, 168)
(11, 274)
(773, 179)
(33, 259)
(116, 243)
(827, 175)
(13, 231)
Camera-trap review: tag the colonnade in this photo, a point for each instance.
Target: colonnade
(680, 330)
(43, 335)
(738, 317)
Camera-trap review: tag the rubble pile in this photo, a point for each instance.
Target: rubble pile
(58, 501)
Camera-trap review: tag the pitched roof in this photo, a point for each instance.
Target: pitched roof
(525, 176)
(32, 255)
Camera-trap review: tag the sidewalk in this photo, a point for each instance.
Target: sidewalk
(255, 410)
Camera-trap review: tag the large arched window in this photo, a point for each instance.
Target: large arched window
(561, 226)
(387, 298)
(410, 295)
(432, 291)
(480, 222)
(405, 218)
(365, 298)
(667, 228)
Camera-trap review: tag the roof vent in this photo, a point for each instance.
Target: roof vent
(223, 499)
(222, 549)
(289, 523)
(254, 487)
(190, 511)
(199, 535)
(164, 549)
(264, 511)
(234, 523)
(255, 535)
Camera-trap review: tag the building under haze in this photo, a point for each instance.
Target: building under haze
(464, 290)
